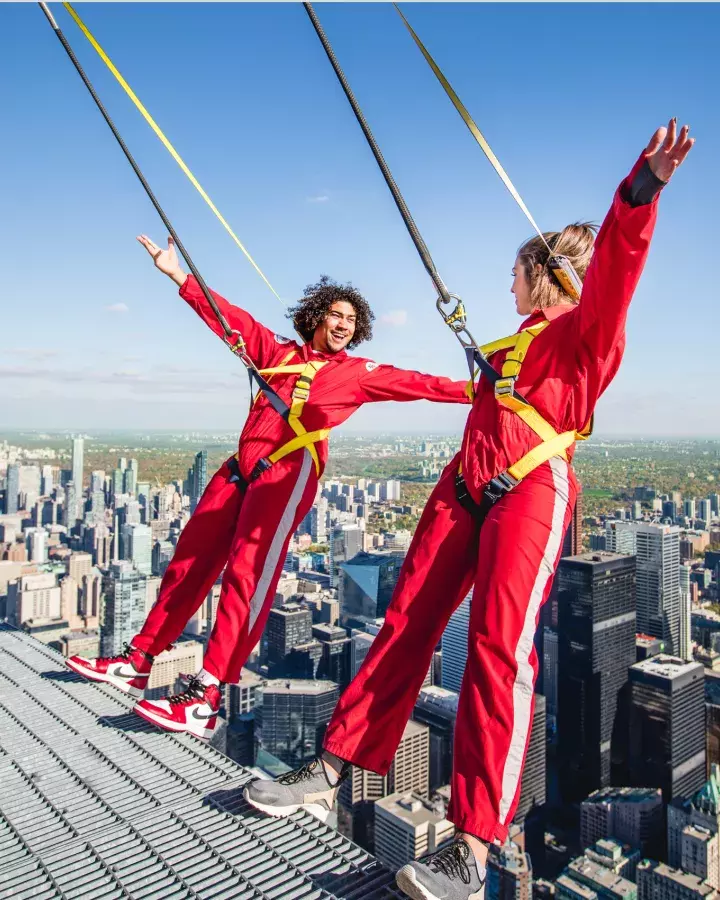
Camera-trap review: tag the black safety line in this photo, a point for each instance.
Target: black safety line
(412, 228)
(232, 338)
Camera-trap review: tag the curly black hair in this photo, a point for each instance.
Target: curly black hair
(317, 301)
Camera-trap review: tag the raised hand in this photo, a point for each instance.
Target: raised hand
(667, 150)
(165, 260)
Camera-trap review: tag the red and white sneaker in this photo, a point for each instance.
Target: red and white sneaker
(129, 671)
(193, 711)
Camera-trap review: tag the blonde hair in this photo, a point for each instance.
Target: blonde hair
(575, 242)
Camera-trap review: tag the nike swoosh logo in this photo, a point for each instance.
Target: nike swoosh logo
(197, 715)
(117, 672)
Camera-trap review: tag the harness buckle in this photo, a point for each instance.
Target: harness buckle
(500, 485)
(262, 465)
(505, 388)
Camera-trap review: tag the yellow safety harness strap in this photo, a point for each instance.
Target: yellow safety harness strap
(168, 146)
(307, 439)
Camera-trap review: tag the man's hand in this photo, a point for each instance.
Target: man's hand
(165, 260)
(667, 150)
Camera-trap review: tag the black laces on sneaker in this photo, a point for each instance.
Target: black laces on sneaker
(124, 654)
(452, 861)
(194, 691)
(302, 774)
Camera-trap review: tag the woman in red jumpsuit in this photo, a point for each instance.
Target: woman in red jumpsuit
(509, 562)
(244, 520)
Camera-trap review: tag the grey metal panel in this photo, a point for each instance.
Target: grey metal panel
(96, 804)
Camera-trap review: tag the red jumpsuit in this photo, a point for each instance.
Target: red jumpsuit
(249, 529)
(509, 562)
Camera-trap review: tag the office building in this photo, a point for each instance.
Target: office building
(603, 881)
(658, 582)
(138, 546)
(596, 645)
(408, 773)
(162, 554)
(46, 481)
(36, 544)
(288, 626)
(619, 858)
(346, 541)
(533, 785)
(366, 585)
(70, 507)
(125, 599)
(291, 717)
(12, 489)
(436, 708)
(658, 881)
(130, 476)
(667, 726)
(184, 658)
(693, 827)
(319, 521)
(550, 662)
(407, 827)
(335, 660)
(33, 597)
(632, 816)
(509, 873)
(78, 464)
(455, 646)
(79, 565)
(198, 479)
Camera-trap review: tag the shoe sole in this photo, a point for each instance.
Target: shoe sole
(282, 812)
(167, 725)
(118, 683)
(406, 881)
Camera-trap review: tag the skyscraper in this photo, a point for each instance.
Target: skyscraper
(12, 488)
(78, 463)
(408, 773)
(125, 597)
(633, 816)
(138, 548)
(199, 479)
(46, 481)
(693, 831)
(658, 582)
(533, 786)
(367, 582)
(335, 660)
(667, 726)
(130, 476)
(436, 707)
(70, 507)
(287, 626)
(455, 646)
(596, 645)
(291, 718)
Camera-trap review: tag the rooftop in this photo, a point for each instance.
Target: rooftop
(664, 666)
(297, 686)
(679, 877)
(97, 803)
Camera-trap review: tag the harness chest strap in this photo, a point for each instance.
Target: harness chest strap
(299, 397)
(553, 443)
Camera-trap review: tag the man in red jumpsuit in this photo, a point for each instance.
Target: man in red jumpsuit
(508, 561)
(245, 520)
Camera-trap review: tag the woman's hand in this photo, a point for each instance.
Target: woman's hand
(667, 150)
(165, 260)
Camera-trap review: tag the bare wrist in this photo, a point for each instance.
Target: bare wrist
(178, 276)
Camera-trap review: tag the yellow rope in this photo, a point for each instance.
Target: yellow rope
(168, 146)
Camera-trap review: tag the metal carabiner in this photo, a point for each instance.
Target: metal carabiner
(456, 320)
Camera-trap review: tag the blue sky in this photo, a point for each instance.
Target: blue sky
(567, 94)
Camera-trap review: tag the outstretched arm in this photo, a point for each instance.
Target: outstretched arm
(623, 242)
(380, 382)
(259, 339)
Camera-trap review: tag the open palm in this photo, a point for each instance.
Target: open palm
(165, 260)
(667, 149)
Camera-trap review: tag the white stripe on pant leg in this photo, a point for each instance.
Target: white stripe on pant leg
(524, 680)
(279, 541)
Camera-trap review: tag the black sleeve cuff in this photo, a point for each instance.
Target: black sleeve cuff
(645, 186)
